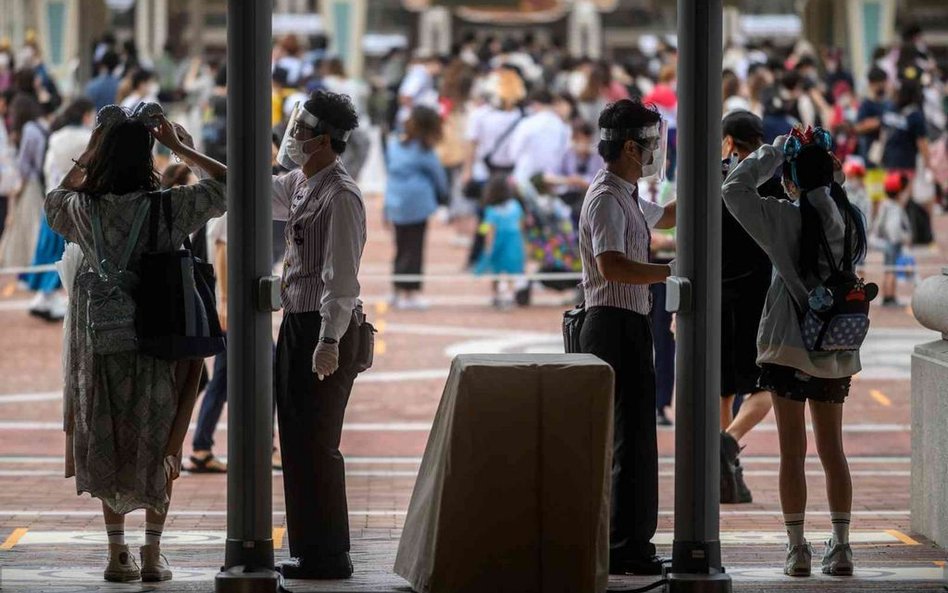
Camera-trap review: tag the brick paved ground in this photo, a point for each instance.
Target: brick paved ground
(404, 387)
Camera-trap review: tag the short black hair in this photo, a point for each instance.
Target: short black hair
(791, 80)
(541, 96)
(624, 114)
(109, 60)
(337, 111)
(878, 75)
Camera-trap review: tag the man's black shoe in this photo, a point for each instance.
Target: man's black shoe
(729, 450)
(338, 566)
(648, 566)
(743, 492)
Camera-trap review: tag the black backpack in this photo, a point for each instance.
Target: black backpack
(176, 316)
(836, 318)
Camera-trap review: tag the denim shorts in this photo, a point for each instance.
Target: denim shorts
(892, 253)
(796, 385)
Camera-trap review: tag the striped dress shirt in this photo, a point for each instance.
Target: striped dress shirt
(325, 237)
(613, 218)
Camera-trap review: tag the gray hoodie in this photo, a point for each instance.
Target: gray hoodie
(776, 226)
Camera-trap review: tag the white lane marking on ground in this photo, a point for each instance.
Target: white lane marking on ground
(14, 305)
(217, 538)
(397, 376)
(397, 513)
(72, 576)
(42, 396)
(390, 473)
(426, 426)
(379, 473)
(355, 460)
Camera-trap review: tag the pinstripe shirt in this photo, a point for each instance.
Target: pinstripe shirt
(613, 218)
(325, 236)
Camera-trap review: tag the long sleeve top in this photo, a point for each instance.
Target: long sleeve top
(776, 226)
(325, 237)
(415, 180)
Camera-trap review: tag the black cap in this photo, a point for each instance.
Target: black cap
(743, 126)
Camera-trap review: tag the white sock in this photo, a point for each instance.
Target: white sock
(116, 533)
(794, 523)
(840, 527)
(153, 533)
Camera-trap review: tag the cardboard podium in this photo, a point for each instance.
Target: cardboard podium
(513, 491)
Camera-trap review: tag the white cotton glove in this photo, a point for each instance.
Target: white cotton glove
(325, 359)
(779, 142)
(673, 265)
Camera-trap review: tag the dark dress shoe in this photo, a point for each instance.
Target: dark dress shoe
(337, 566)
(647, 566)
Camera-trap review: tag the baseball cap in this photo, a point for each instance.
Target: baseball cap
(743, 126)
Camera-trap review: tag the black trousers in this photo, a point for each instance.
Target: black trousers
(664, 348)
(311, 413)
(409, 252)
(623, 339)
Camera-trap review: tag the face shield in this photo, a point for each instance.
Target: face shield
(653, 140)
(293, 151)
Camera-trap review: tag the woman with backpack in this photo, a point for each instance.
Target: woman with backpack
(806, 240)
(123, 408)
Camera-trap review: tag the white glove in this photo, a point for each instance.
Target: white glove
(325, 359)
(673, 265)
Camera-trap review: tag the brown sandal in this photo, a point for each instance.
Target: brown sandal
(207, 465)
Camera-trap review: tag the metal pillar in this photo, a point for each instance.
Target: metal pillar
(696, 562)
(248, 561)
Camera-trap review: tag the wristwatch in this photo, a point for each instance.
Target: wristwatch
(329, 340)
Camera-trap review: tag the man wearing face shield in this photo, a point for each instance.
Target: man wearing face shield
(614, 230)
(325, 236)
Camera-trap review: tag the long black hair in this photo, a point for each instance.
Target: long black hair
(814, 168)
(121, 161)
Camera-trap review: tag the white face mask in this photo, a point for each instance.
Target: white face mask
(296, 152)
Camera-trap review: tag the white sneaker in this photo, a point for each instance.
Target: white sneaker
(121, 567)
(40, 305)
(154, 564)
(417, 304)
(799, 559)
(58, 305)
(837, 559)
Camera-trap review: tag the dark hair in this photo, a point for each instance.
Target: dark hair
(174, 175)
(424, 125)
(812, 225)
(910, 93)
(337, 111)
(73, 114)
(140, 76)
(121, 161)
(24, 81)
(496, 191)
(624, 114)
(583, 128)
(878, 75)
(791, 80)
(814, 168)
(109, 60)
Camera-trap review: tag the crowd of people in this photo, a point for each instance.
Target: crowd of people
(522, 149)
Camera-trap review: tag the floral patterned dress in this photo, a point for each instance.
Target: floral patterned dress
(120, 408)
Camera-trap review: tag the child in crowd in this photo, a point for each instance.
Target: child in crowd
(892, 231)
(504, 251)
(855, 170)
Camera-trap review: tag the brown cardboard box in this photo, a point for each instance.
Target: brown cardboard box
(513, 491)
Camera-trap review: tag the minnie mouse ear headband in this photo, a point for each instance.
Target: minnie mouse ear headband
(148, 114)
(801, 138)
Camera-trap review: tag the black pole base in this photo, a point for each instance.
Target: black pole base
(239, 579)
(698, 583)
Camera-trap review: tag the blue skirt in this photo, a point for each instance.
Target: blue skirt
(49, 250)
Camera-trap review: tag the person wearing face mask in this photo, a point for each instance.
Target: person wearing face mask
(614, 230)
(325, 237)
(745, 279)
(144, 89)
(807, 242)
(869, 117)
